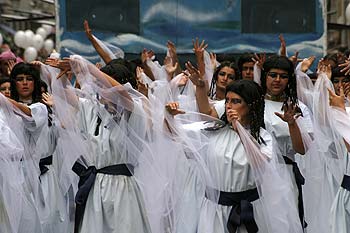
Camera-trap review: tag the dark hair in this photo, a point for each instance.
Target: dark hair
(4, 80)
(27, 69)
(246, 57)
(254, 97)
(122, 71)
(43, 85)
(232, 65)
(283, 63)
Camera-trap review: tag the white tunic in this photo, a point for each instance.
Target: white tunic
(229, 166)
(115, 203)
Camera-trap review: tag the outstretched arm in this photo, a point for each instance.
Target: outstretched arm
(103, 54)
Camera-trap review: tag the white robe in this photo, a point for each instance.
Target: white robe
(115, 203)
(229, 166)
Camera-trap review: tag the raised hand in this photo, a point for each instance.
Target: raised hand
(172, 51)
(295, 59)
(47, 99)
(307, 63)
(173, 109)
(194, 75)
(213, 60)
(198, 48)
(283, 47)
(146, 54)
(323, 68)
(169, 66)
(346, 67)
(259, 60)
(291, 113)
(87, 29)
(337, 100)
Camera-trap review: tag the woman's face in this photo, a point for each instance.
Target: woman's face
(5, 89)
(225, 76)
(24, 86)
(235, 102)
(276, 81)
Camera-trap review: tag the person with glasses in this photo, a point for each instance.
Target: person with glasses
(282, 108)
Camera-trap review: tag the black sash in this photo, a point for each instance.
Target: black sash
(299, 180)
(346, 182)
(87, 180)
(242, 209)
(43, 163)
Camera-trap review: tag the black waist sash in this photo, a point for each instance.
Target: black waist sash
(346, 182)
(242, 209)
(43, 163)
(299, 180)
(87, 179)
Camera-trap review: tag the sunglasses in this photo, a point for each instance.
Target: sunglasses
(233, 101)
(230, 76)
(275, 75)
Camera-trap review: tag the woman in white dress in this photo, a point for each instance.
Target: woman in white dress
(32, 117)
(109, 198)
(281, 110)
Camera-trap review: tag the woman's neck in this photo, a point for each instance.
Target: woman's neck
(220, 94)
(26, 100)
(276, 98)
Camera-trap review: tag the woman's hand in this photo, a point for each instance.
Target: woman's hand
(337, 100)
(198, 48)
(88, 31)
(173, 109)
(47, 99)
(194, 75)
(259, 60)
(291, 113)
(233, 117)
(170, 67)
(307, 63)
(283, 47)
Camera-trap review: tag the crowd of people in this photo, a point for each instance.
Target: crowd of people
(260, 144)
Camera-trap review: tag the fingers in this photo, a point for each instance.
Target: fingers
(173, 108)
(331, 93)
(280, 115)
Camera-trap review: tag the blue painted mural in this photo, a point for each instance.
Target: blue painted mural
(219, 22)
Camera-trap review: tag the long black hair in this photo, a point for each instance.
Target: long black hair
(232, 65)
(283, 63)
(27, 69)
(253, 95)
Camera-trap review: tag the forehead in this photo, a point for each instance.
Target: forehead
(280, 71)
(248, 64)
(227, 69)
(23, 75)
(232, 95)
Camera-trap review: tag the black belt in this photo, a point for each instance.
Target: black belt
(299, 180)
(242, 210)
(43, 163)
(87, 179)
(346, 182)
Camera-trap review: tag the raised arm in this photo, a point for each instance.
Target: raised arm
(103, 54)
(201, 91)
